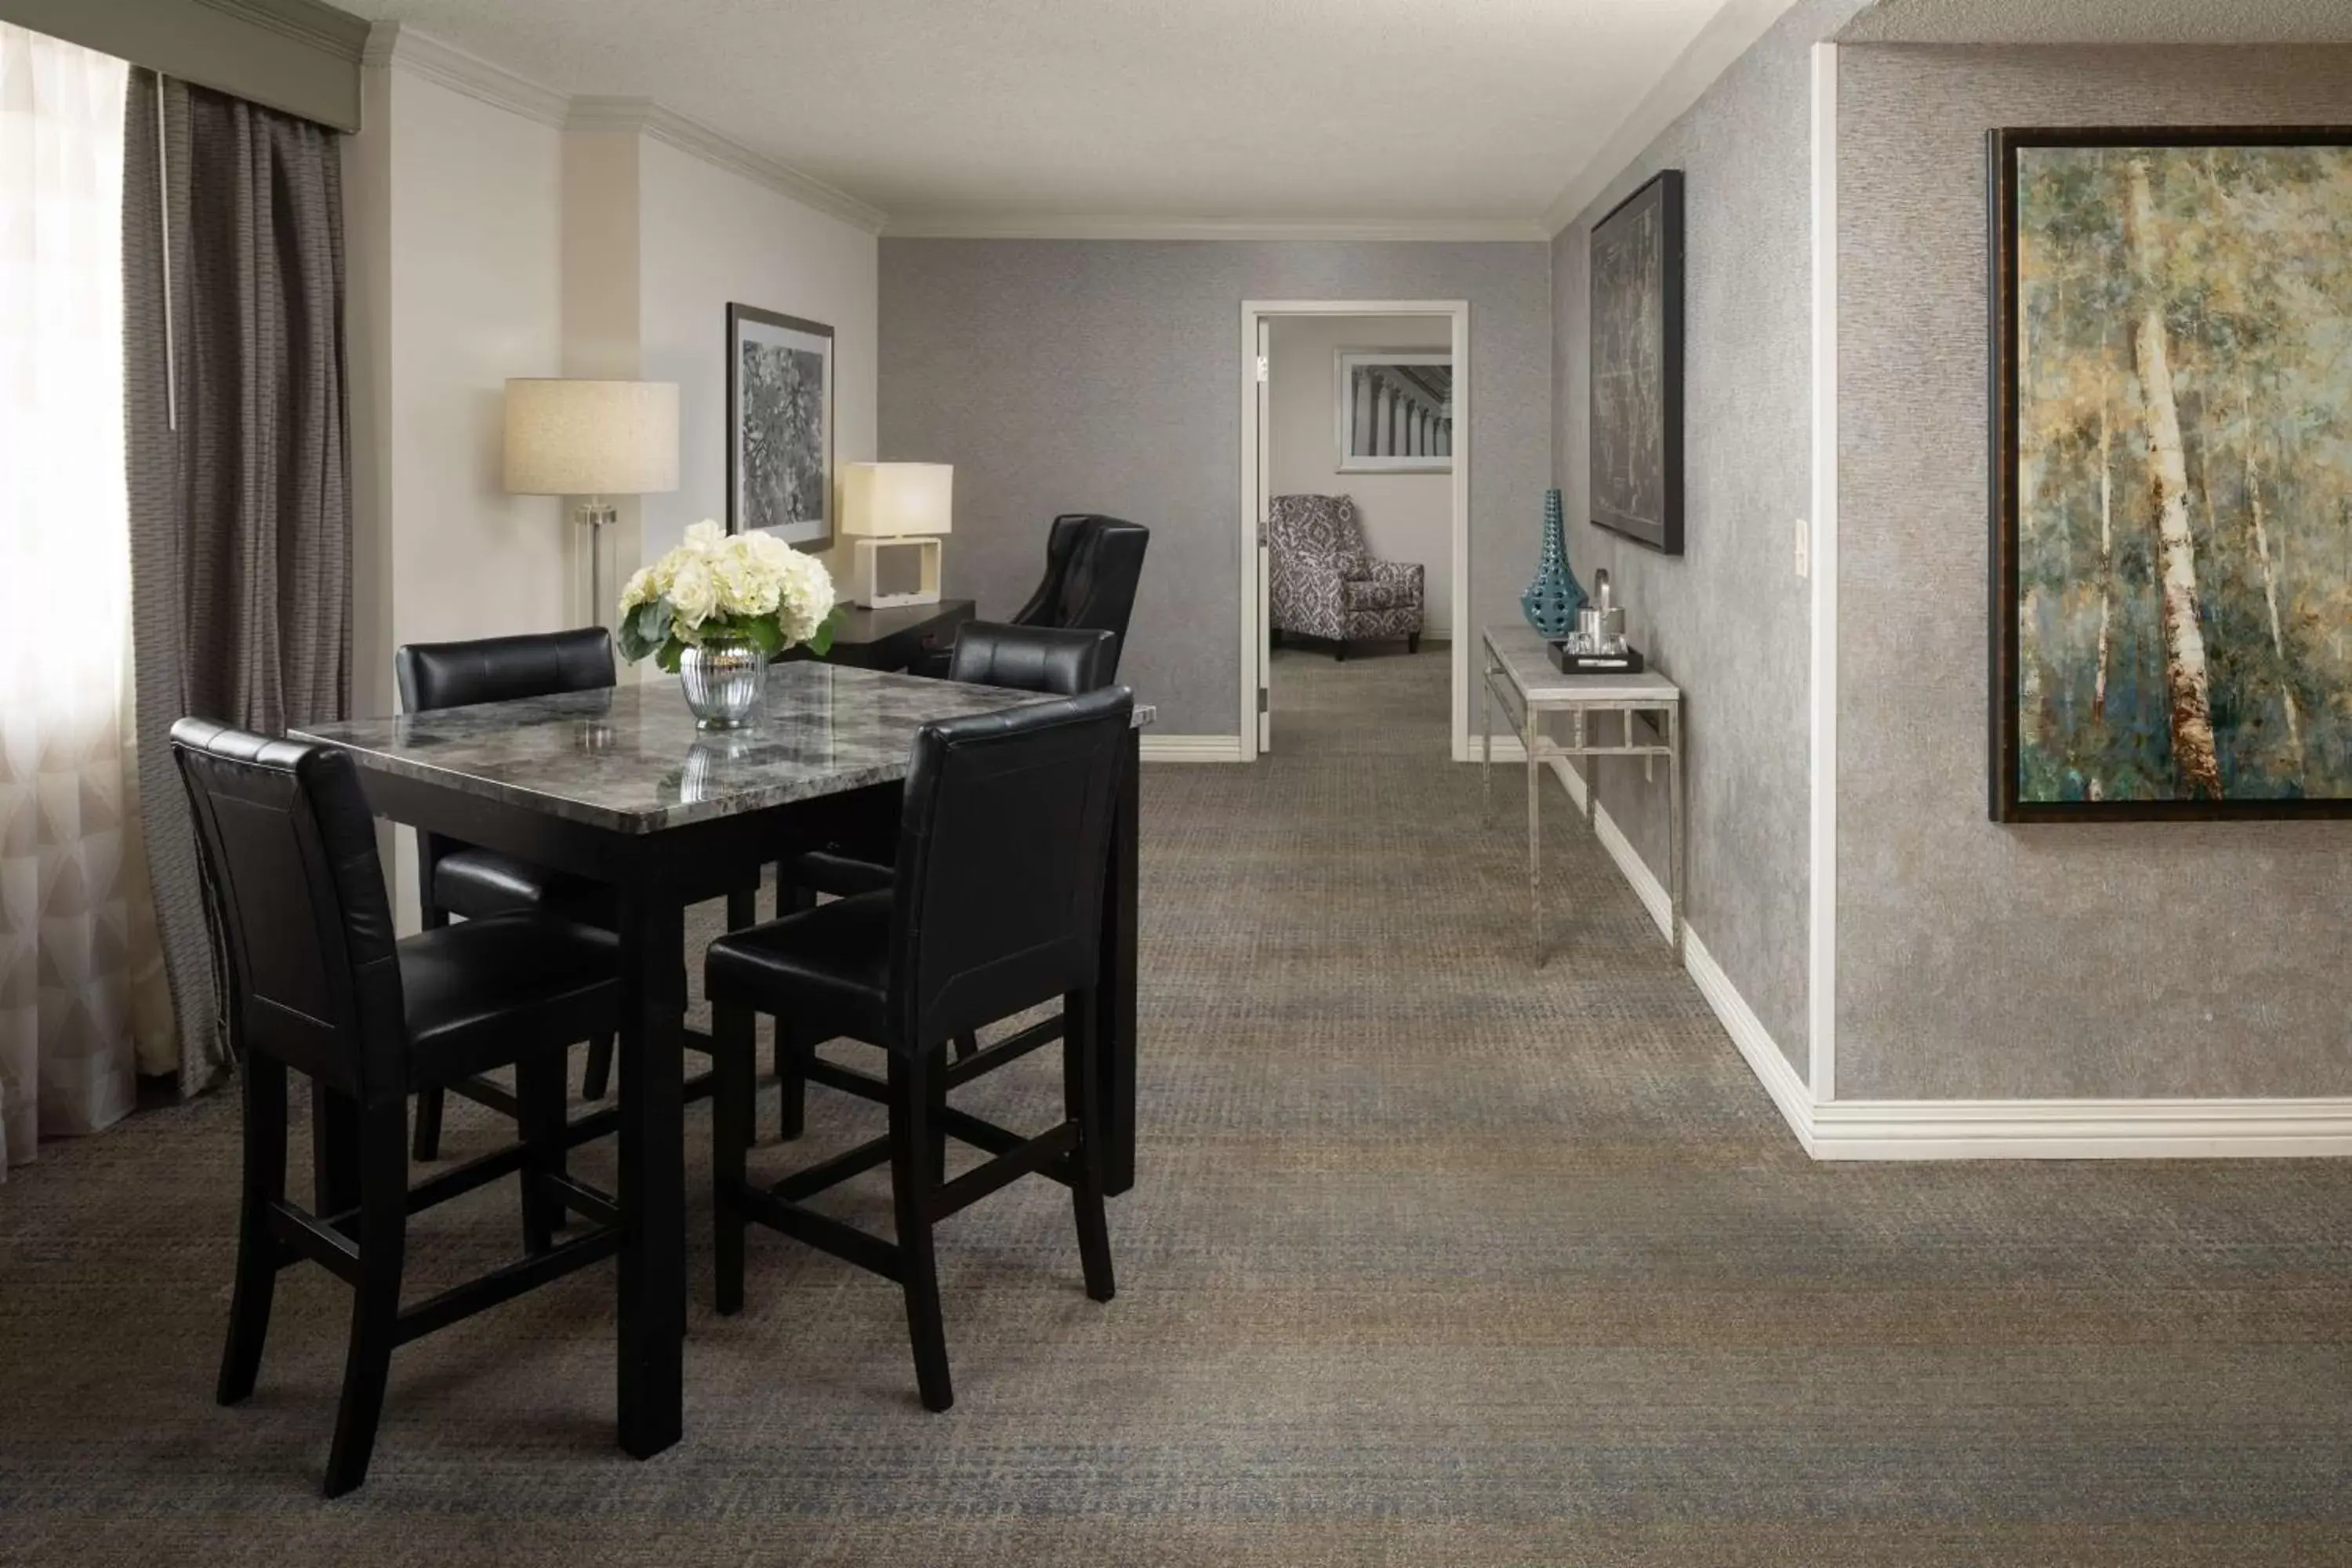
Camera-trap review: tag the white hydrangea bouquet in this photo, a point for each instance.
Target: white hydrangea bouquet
(718, 588)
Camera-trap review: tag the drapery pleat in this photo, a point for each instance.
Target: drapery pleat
(78, 974)
(239, 460)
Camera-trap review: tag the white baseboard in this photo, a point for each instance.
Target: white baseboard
(1976, 1129)
(1190, 748)
(2080, 1128)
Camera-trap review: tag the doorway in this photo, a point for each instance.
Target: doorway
(1368, 399)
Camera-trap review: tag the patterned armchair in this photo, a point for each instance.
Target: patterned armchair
(1325, 583)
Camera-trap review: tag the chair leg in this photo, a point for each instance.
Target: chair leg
(428, 1125)
(967, 1047)
(733, 1051)
(1081, 1060)
(792, 1055)
(375, 1304)
(1412, 642)
(1338, 650)
(597, 1081)
(538, 1092)
(910, 1191)
(257, 1249)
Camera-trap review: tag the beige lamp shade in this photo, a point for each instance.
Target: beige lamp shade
(893, 500)
(591, 437)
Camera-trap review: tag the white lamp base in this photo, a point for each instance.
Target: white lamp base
(863, 575)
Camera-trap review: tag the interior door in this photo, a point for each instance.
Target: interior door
(1265, 560)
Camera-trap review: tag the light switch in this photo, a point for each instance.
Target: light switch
(1804, 548)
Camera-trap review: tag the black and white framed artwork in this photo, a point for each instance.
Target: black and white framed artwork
(780, 427)
(1637, 366)
(1395, 411)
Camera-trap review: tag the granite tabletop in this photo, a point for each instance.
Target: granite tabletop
(630, 759)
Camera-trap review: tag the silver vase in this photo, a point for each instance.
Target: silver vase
(724, 680)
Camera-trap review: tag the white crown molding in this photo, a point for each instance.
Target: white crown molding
(961, 225)
(648, 118)
(390, 44)
(1728, 34)
(1190, 748)
(321, 27)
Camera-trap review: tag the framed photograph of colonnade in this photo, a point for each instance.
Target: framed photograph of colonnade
(1395, 411)
(2171, 454)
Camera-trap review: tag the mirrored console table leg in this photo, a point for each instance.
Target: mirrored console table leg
(1535, 836)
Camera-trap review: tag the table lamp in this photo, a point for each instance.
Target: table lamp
(894, 508)
(592, 439)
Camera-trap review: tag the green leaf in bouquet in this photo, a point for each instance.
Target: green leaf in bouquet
(765, 635)
(820, 641)
(668, 655)
(644, 629)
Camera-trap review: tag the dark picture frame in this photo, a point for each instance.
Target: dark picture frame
(1635, 366)
(780, 427)
(2010, 753)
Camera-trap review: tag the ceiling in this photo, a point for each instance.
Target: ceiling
(1429, 114)
(2103, 22)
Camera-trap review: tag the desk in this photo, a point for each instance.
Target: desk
(1520, 674)
(894, 638)
(620, 787)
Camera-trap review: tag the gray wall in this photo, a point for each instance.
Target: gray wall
(1105, 375)
(1976, 960)
(1728, 620)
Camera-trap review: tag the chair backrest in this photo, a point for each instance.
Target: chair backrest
(497, 670)
(1315, 525)
(1064, 660)
(290, 866)
(1097, 592)
(1061, 542)
(1002, 839)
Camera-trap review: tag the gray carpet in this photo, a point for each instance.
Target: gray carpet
(1435, 1260)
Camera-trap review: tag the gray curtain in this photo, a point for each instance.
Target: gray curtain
(239, 454)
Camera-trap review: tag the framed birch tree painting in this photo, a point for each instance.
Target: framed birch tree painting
(2171, 393)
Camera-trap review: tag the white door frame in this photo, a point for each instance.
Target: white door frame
(1253, 502)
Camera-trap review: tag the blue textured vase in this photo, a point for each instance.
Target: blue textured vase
(1552, 600)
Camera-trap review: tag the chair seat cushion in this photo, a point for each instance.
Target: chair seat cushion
(482, 992)
(477, 883)
(827, 968)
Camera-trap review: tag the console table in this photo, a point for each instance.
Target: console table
(1521, 677)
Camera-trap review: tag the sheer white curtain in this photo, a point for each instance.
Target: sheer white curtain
(80, 974)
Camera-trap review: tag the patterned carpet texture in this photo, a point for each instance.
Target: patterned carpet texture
(1436, 1259)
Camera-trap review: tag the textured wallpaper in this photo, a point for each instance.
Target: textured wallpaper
(1980, 960)
(1105, 375)
(1728, 620)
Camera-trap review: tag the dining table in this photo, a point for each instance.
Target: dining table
(621, 787)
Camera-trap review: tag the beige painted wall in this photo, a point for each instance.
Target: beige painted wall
(1406, 517)
(707, 237)
(486, 245)
(454, 225)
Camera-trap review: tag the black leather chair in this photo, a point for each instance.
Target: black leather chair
(317, 984)
(1065, 662)
(1093, 566)
(995, 907)
(458, 879)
